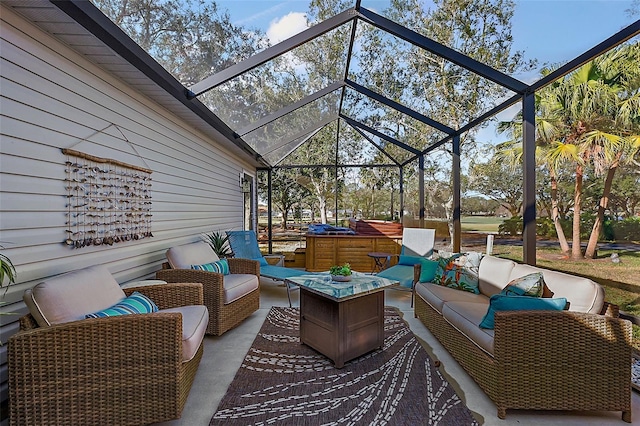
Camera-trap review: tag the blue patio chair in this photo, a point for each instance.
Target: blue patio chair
(416, 243)
(244, 244)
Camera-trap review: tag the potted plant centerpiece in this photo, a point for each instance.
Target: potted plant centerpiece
(341, 273)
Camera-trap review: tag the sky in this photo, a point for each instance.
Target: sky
(550, 31)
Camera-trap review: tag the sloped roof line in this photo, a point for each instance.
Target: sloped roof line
(291, 107)
(443, 51)
(87, 15)
(386, 25)
(312, 134)
(618, 38)
(379, 134)
(493, 111)
(372, 142)
(315, 126)
(399, 107)
(312, 130)
(271, 53)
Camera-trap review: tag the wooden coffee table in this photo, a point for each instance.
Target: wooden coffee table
(342, 320)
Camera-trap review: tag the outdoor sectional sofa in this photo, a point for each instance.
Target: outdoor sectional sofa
(575, 359)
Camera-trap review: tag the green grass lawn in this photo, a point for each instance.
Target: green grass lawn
(480, 223)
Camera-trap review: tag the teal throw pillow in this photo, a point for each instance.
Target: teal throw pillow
(459, 271)
(408, 260)
(137, 303)
(220, 266)
(528, 285)
(501, 302)
(427, 270)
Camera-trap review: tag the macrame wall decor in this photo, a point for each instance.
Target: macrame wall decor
(108, 201)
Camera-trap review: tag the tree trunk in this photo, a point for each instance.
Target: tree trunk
(373, 203)
(604, 202)
(322, 200)
(448, 211)
(555, 216)
(323, 209)
(576, 250)
(513, 209)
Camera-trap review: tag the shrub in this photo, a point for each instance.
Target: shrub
(545, 228)
(511, 226)
(627, 229)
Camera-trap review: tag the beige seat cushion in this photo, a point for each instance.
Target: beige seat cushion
(198, 253)
(238, 285)
(69, 297)
(194, 324)
(583, 294)
(465, 317)
(494, 274)
(436, 295)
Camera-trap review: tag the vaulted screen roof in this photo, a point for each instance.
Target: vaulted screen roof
(295, 93)
(340, 96)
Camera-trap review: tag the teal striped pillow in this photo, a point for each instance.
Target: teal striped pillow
(137, 303)
(220, 266)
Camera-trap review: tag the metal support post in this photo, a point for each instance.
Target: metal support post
(269, 211)
(455, 171)
(529, 178)
(421, 188)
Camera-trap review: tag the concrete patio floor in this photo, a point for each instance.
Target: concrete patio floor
(224, 354)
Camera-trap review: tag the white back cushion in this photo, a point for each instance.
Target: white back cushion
(69, 297)
(418, 241)
(494, 274)
(583, 294)
(198, 253)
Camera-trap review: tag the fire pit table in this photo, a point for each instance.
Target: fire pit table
(342, 320)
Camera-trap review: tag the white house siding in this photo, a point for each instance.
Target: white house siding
(53, 98)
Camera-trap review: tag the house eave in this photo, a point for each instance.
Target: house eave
(83, 27)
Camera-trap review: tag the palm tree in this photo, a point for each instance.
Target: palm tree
(553, 153)
(549, 152)
(590, 117)
(600, 120)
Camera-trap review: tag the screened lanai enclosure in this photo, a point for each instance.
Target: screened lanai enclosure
(230, 121)
(354, 91)
(372, 87)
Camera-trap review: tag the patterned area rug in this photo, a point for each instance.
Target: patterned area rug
(282, 382)
(635, 371)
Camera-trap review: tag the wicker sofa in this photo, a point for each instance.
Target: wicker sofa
(117, 370)
(576, 359)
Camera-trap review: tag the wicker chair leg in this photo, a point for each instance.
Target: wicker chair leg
(502, 413)
(626, 416)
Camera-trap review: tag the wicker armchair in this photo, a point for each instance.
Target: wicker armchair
(230, 298)
(120, 370)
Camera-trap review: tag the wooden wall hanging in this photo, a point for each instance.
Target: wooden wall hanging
(108, 201)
